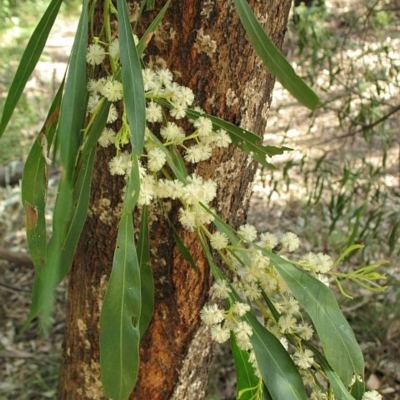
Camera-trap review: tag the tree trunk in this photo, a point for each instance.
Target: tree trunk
(203, 43)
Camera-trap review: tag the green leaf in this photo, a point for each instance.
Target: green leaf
(120, 316)
(266, 395)
(80, 195)
(216, 272)
(132, 80)
(222, 226)
(69, 217)
(393, 236)
(182, 248)
(341, 392)
(277, 369)
(46, 278)
(150, 5)
(139, 14)
(358, 390)
(346, 252)
(273, 59)
(29, 60)
(146, 273)
(34, 186)
(69, 228)
(68, 220)
(246, 380)
(152, 27)
(246, 140)
(133, 187)
(96, 128)
(178, 161)
(337, 338)
(73, 107)
(172, 159)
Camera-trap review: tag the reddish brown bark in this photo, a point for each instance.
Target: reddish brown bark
(231, 83)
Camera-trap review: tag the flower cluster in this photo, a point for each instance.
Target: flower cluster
(253, 275)
(255, 279)
(162, 133)
(224, 323)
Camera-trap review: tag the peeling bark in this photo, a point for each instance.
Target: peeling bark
(203, 43)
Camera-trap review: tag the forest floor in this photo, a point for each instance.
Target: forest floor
(326, 150)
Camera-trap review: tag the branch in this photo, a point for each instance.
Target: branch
(364, 127)
(16, 257)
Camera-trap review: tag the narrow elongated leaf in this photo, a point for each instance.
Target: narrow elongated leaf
(173, 162)
(216, 272)
(120, 316)
(34, 186)
(277, 369)
(247, 141)
(246, 380)
(178, 161)
(341, 392)
(35, 210)
(54, 150)
(133, 187)
(146, 273)
(68, 220)
(139, 14)
(273, 59)
(186, 254)
(349, 250)
(73, 107)
(132, 80)
(29, 60)
(121, 312)
(222, 226)
(152, 27)
(266, 395)
(81, 194)
(46, 278)
(96, 128)
(358, 390)
(150, 5)
(337, 338)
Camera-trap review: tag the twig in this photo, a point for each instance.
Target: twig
(14, 288)
(16, 257)
(40, 356)
(363, 128)
(357, 306)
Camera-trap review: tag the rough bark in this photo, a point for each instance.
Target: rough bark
(229, 82)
